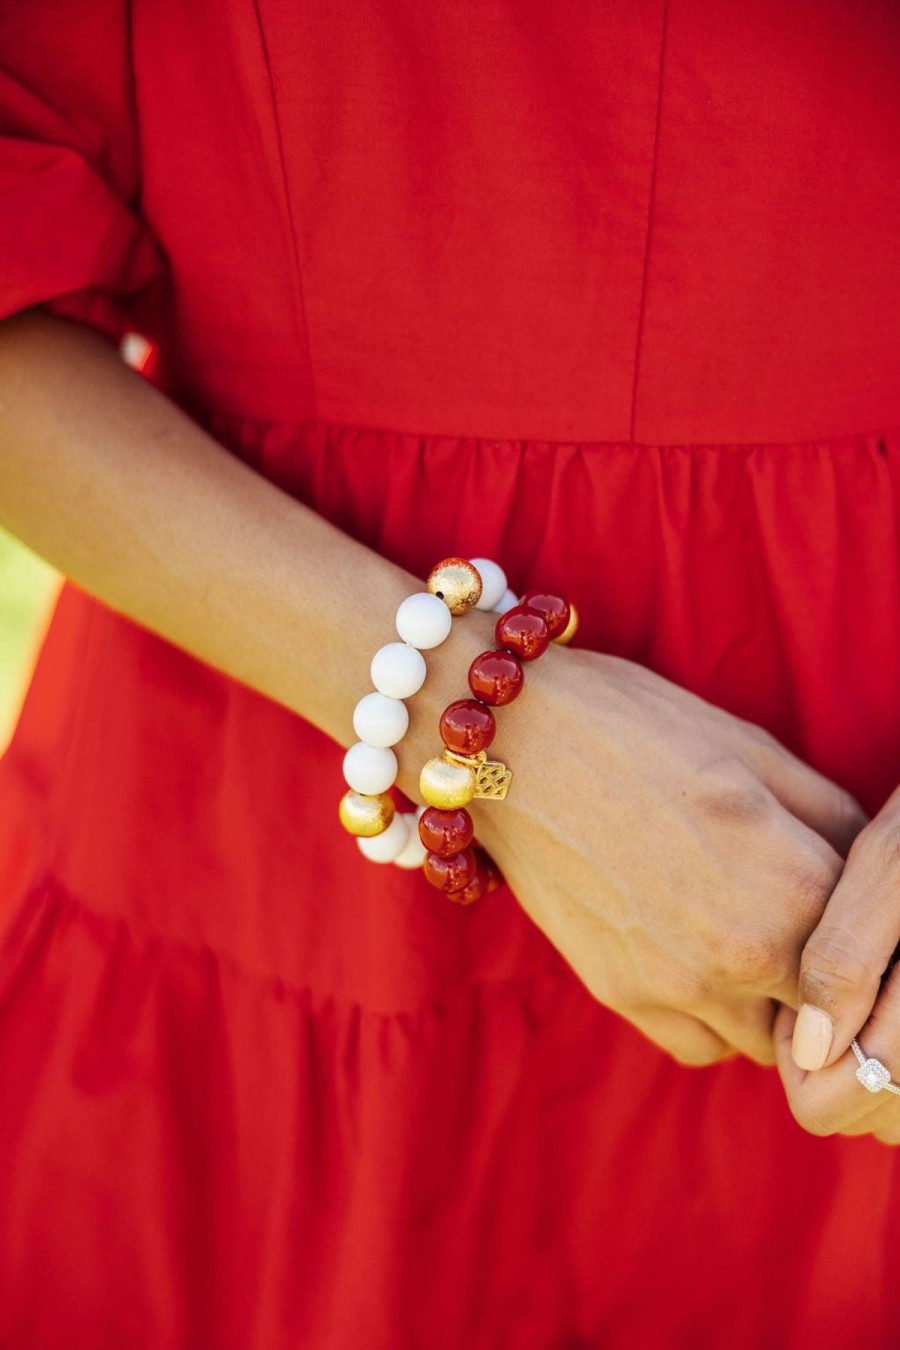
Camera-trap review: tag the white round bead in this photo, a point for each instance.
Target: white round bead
(379, 720)
(387, 846)
(507, 601)
(398, 670)
(414, 853)
(423, 620)
(370, 769)
(493, 582)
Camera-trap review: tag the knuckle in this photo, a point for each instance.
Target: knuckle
(751, 958)
(882, 840)
(809, 889)
(760, 751)
(838, 959)
(730, 792)
(766, 752)
(760, 737)
(682, 987)
(848, 810)
(699, 1055)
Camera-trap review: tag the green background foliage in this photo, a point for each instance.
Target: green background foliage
(27, 590)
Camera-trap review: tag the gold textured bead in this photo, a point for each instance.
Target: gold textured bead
(457, 583)
(366, 816)
(447, 785)
(570, 629)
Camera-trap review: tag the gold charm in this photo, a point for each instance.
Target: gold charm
(492, 778)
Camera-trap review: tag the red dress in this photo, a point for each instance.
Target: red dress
(610, 293)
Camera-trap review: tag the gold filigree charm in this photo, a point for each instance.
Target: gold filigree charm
(492, 778)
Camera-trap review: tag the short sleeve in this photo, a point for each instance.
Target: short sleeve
(71, 232)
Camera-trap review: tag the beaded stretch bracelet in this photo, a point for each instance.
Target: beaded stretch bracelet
(381, 719)
(463, 772)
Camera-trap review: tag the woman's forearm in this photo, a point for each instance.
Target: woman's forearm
(113, 484)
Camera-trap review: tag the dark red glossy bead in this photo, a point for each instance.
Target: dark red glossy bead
(554, 609)
(488, 869)
(493, 879)
(446, 832)
(496, 677)
(450, 874)
(523, 632)
(467, 726)
(469, 894)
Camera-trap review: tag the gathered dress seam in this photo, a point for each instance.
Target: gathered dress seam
(49, 888)
(882, 433)
(297, 288)
(650, 207)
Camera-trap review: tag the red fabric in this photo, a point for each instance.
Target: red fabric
(607, 292)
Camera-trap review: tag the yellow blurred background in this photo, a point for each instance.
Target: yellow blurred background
(28, 588)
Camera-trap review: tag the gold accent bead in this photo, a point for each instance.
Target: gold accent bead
(570, 629)
(366, 816)
(457, 583)
(447, 785)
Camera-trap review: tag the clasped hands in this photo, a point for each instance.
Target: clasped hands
(706, 883)
(848, 987)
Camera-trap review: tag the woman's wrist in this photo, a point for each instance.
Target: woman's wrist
(516, 743)
(448, 667)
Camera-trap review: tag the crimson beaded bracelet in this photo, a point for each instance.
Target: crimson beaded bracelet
(463, 772)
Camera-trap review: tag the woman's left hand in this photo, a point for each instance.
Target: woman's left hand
(844, 993)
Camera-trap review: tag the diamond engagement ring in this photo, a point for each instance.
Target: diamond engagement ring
(872, 1073)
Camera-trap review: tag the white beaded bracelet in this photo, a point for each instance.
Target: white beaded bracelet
(381, 719)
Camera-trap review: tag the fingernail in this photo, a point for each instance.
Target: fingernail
(813, 1034)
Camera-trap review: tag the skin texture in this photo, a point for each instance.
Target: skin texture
(647, 795)
(677, 856)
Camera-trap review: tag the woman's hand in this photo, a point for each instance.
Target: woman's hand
(844, 994)
(677, 856)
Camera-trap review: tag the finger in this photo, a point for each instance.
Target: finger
(748, 1026)
(791, 1075)
(851, 947)
(819, 802)
(809, 873)
(684, 1037)
(834, 1100)
(829, 1102)
(880, 1039)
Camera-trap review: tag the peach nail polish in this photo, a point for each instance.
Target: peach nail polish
(813, 1034)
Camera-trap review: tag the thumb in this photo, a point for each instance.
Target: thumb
(851, 948)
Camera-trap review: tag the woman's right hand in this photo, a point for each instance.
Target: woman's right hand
(676, 855)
